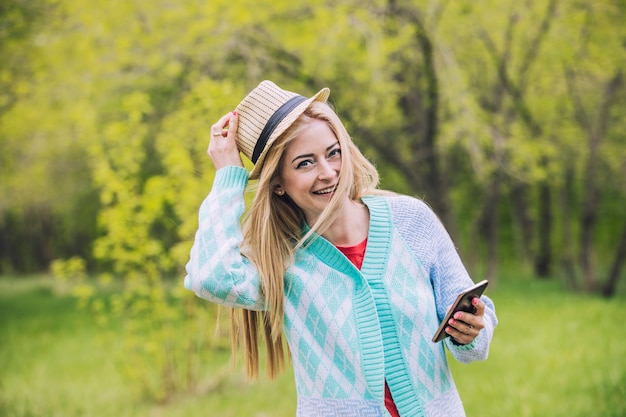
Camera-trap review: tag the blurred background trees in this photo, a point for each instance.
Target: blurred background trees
(507, 117)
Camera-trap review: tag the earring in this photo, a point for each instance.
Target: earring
(280, 192)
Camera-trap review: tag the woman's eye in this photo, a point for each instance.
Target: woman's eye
(334, 152)
(304, 163)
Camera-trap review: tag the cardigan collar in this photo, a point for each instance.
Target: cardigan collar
(378, 242)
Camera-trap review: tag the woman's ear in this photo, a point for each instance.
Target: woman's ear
(278, 190)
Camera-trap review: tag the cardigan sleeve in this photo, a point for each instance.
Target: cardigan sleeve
(449, 277)
(216, 270)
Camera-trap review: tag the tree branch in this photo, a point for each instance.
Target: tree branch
(533, 49)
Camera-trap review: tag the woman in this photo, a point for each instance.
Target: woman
(356, 279)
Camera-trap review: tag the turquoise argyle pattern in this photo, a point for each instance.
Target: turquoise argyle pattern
(349, 330)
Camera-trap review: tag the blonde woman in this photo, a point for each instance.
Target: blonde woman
(354, 278)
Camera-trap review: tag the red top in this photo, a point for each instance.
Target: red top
(356, 254)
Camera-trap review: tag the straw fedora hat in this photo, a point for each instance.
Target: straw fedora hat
(264, 114)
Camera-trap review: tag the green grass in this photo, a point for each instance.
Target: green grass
(553, 354)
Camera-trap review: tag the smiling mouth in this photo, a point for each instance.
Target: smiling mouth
(326, 191)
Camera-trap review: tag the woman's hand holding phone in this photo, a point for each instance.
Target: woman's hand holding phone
(464, 327)
(464, 319)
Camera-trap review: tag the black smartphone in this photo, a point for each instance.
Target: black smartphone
(462, 303)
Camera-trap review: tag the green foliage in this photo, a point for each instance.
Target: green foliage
(580, 44)
(112, 97)
(105, 109)
(160, 334)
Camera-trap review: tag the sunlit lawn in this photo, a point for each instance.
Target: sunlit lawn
(554, 354)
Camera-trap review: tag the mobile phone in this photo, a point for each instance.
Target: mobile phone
(462, 303)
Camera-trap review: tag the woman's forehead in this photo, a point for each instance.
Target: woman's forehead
(316, 135)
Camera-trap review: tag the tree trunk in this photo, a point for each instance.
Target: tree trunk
(435, 182)
(596, 132)
(419, 104)
(519, 199)
(567, 201)
(618, 261)
(492, 232)
(543, 260)
(587, 226)
(590, 205)
(488, 225)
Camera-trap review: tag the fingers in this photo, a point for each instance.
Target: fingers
(224, 125)
(479, 307)
(464, 327)
(222, 146)
(233, 124)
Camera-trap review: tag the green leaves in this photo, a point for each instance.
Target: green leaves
(106, 106)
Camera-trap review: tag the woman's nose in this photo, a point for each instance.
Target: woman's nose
(325, 170)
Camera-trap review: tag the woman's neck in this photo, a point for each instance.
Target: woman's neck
(351, 226)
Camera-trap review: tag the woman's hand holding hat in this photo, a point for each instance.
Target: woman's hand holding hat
(223, 147)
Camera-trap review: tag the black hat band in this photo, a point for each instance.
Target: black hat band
(271, 124)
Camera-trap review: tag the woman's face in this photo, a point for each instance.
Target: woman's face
(310, 168)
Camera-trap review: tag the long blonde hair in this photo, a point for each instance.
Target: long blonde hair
(272, 233)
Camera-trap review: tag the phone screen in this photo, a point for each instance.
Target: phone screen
(462, 303)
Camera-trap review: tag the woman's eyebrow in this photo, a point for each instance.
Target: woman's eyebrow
(308, 155)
